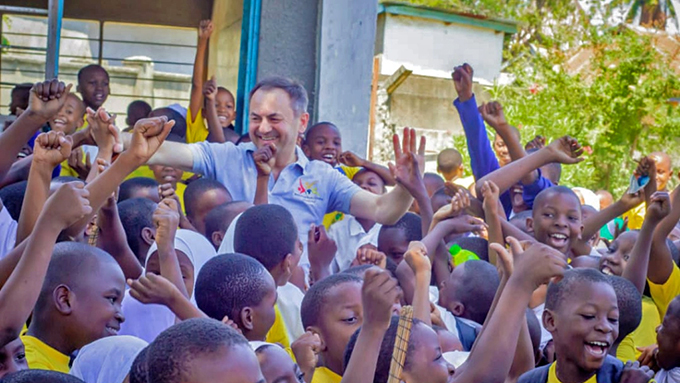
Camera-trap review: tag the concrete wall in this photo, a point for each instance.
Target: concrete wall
(225, 43)
(346, 67)
(288, 42)
(437, 46)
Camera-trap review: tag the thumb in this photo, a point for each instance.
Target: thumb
(67, 90)
(502, 252)
(515, 246)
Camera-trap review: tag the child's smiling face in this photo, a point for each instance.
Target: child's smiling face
(556, 220)
(584, 326)
(614, 260)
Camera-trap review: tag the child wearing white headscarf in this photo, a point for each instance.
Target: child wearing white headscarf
(107, 360)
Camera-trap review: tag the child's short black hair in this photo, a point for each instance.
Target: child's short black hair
(194, 191)
(433, 182)
(137, 110)
(12, 197)
(359, 270)
(555, 190)
(522, 216)
(629, 301)
(314, 301)
(130, 186)
(477, 289)
(449, 160)
(88, 68)
(410, 223)
(139, 368)
(39, 376)
(171, 352)
(477, 245)
(70, 262)
(20, 93)
(220, 217)
(557, 292)
(136, 214)
(64, 180)
(267, 233)
(312, 128)
(229, 282)
(382, 368)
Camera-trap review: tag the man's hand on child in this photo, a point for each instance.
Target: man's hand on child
(369, 255)
(51, 149)
(492, 113)
(68, 205)
(153, 289)
(378, 294)
(306, 350)
(408, 163)
(634, 373)
(417, 259)
(566, 150)
(166, 219)
(205, 29)
(659, 207)
(462, 80)
(352, 160)
(47, 98)
(320, 247)
(265, 158)
(147, 137)
(210, 89)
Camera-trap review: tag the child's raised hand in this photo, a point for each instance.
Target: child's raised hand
(462, 80)
(492, 113)
(352, 160)
(166, 219)
(147, 136)
(320, 247)
(80, 165)
(459, 202)
(537, 143)
(464, 224)
(205, 29)
(47, 98)
(632, 200)
(491, 194)
(378, 294)
(408, 164)
(416, 258)
(566, 150)
(153, 289)
(535, 265)
(52, 148)
(265, 158)
(68, 205)
(306, 350)
(369, 255)
(659, 207)
(634, 373)
(103, 129)
(210, 89)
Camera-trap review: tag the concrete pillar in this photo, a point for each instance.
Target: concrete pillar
(346, 50)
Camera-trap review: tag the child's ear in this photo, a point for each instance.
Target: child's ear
(148, 235)
(305, 149)
(457, 308)
(63, 297)
(246, 315)
(549, 321)
(530, 225)
(581, 232)
(287, 264)
(317, 331)
(217, 238)
(80, 123)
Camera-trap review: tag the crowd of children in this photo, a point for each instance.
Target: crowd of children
(170, 249)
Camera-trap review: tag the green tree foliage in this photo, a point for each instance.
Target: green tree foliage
(617, 104)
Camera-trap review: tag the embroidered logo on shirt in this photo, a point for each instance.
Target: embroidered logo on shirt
(307, 191)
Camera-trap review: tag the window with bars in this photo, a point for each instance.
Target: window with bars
(145, 62)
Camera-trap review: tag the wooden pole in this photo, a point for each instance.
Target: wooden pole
(374, 100)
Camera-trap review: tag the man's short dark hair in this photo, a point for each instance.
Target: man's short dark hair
(294, 89)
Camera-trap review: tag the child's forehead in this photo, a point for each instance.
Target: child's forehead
(583, 293)
(324, 130)
(562, 201)
(95, 73)
(344, 294)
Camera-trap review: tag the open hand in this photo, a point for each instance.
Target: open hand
(566, 150)
(378, 294)
(205, 29)
(320, 247)
(210, 89)
(408, 165)
(166, 219)
(68, 205)
(350, 159)
(492, 113)
(153, 289)
(659, 207)
(265, 158)
(147, 136)
(462, 80)
(47, 98)
(416, 258)
(52, 148)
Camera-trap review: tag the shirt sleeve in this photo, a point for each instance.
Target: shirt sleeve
(207, 156)
(664, 293)
(530, 191)
(341, 191)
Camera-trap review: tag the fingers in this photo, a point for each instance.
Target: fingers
(412, 141)
(397, 148)
(405, 141)
(515, 246)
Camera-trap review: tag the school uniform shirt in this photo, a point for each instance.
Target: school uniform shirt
(8, 232)
(40, 356)
(289, 303)
(324, 375)
(348, 235)
(197, 130)
(645, 334)
(337, 216)
(67, 171)
(610, 372)
(277, 334)
(308, 189)
(663, 294)
(635, 217)
(552, 375)
(626, 349)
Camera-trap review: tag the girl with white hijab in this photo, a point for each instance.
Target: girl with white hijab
(147, 321)
(107, 360)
